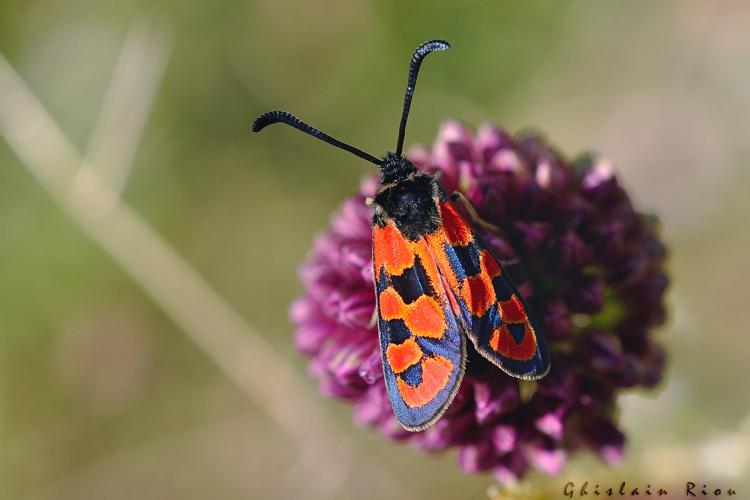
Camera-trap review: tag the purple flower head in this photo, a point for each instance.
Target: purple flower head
(589, 266)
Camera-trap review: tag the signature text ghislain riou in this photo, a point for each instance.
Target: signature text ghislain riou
(691, 489)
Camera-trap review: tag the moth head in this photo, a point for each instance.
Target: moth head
(395, 167)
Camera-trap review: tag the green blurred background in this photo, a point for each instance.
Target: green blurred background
(102, 393)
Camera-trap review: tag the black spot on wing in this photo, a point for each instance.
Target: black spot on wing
(413, 375)
(504, 290)
(396, 331)
(413, 283)
(517, 331)
(468, 256)
(381, 277)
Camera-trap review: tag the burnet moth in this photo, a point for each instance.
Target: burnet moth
(436, 283)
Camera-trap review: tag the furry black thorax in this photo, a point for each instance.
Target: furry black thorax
(408, 196)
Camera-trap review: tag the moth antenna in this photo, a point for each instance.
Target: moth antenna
(416, 62)
(283, 117)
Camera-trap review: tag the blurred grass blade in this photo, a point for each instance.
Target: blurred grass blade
(222, 334)
(126, 106)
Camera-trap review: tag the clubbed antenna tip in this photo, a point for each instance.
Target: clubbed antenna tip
(263, 120)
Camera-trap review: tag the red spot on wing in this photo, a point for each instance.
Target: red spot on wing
(478, 293)
(456, 228)
(402, 356)
(391, 249)
(512, 311)
(424, 317)
(436, 371)
(503, 342)
(391, 305)
(489, 265)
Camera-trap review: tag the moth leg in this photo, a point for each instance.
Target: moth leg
(478, 221)
(509, 262)
(373, 319)
(473, 215)
(526, 389)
